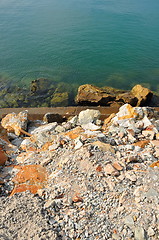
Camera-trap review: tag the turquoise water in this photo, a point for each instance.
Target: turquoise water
(104, 42)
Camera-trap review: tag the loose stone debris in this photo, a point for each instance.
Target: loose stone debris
(82, 178)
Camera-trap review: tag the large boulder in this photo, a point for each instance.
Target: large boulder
(127, 97)
(91, 95)
(143, 95)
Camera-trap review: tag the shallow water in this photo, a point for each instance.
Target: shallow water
(104, 42)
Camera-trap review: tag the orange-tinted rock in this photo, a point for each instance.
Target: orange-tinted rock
(109, 169)
(108, 120)
(157, 136)
(127, 113)
(77, 198)
(3, 157)
(99, 168)
(104, 146)
(89, 94)
(29, 177)
(127, 98)
(15, 123)
(143, 95)
(75, 133)
(117, 166)
(155, 164)
(142, 143)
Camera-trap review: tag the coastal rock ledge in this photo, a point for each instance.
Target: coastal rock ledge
(108, 96)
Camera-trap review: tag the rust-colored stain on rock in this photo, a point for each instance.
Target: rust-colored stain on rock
(142, 143)
(3, 157)
(75, 133)
(29, 177)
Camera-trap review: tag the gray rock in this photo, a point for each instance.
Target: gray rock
(140, 233)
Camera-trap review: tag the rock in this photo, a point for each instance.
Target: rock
(59, 99)
(150, 232)
(29, 177)
(28, 145)
(108, 120)
(131, 176)
(78, 144)
(89, 94)
(76, 198)
(142, 143)
(39, 85)
(157, 136)
(127, 98)
(88, 116)
(104, 146)
(3, 157)
(16, 123)
(73, 120)
(143, 95)
(45, 128)
(117, 166)
(140, 233)
(90, 126)
(52, 117)
(155, 143)
(129, 221)
(60, 129)
(43, 134)
(148, 134)
(110, 170)
(126, 112)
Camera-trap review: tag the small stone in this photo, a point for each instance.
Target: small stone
(157, 136)
(131, 176)
(78, 144)
(115, 236)
(142, 143)
(148, 134)
(60, 129)
(150, 232)
(109, 169)
(90, 126)
(140, 233)
(3, 157)
(155, 143)
(104, 146)
(77, 199)
(129, 221)
(117, 166)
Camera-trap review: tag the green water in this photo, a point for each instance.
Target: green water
(103, 42)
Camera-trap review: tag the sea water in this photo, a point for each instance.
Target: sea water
(102, 42)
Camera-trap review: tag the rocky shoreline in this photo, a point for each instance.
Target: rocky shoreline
(81, 177)
(46, 93)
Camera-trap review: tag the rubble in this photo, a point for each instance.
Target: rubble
(88, 179)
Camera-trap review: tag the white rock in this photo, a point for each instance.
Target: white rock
(90, 126)
(131, 176)
(60, 129)
(78, 144)
(150, 232)
(88, 116)
(140, 233)
(45, 128)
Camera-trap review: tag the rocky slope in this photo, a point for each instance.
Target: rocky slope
(82, 178)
